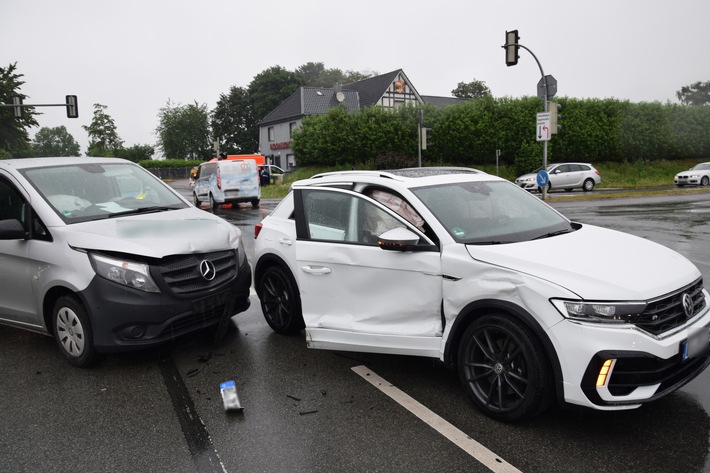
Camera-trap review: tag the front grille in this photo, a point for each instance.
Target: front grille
(181, 273)
(667, 313)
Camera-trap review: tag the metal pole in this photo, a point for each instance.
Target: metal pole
(419, 136)
(545, 109)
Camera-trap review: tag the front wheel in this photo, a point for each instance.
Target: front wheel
(280, 301)
(588, 185)
(705, 181)
(503, 368)
(72, 329)
(196, 200)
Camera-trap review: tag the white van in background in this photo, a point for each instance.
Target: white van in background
(227, 182)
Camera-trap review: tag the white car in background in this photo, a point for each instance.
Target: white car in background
(466, 267)
(698, 175)
(565, 176)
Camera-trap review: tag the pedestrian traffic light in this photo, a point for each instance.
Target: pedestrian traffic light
(72, 108)
(555, 117)
(511, 47)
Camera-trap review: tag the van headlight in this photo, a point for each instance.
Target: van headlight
(600, 311)
(125, 272)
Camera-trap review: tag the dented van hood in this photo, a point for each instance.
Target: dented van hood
(596, 263)
(155, 235)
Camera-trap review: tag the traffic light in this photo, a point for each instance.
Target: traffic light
(555, 117)
(511, 47)
(72, 108)
(17, 106)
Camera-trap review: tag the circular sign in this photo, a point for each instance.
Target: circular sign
(542, 178)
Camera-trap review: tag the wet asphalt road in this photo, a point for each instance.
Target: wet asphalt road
(306, 410)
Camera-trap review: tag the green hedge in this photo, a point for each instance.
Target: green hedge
(593, 130)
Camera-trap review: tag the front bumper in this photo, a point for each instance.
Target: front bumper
(125, 319)
(527, 185)
(641, 367)
(687, 181)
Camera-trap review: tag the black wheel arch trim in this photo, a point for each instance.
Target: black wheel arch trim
(485, 306)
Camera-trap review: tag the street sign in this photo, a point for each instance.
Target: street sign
(542, 178)
(551, 87)
(543, 126)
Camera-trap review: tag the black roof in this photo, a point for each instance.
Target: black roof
(442, 101)
(311, 101)
(370, 90)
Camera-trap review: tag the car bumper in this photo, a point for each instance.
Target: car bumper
(683, 181)
(125, 319)
(527, 185)
(641, 367)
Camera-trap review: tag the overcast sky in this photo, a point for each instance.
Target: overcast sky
(135, 55)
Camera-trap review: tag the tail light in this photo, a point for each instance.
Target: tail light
(257, 230)
(219, 179)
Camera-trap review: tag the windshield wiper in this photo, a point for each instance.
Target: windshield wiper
(551, 234)
(141, 210)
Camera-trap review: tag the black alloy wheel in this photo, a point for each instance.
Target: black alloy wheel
(503, 368)
(280, 300)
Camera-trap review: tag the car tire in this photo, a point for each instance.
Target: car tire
(280, 300)
(195, 200)
(255, 203)
(568, 189)
(72, 330)
(213, 204)
(588, 185)
(705, 181)
(503, 368)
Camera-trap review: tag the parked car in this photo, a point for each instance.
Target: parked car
(565, 176)
(105, 257)
(227, 182)
(468, 268)
(698, 175)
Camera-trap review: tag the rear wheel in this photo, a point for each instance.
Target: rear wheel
(255, 203)
(213, 204)
(280, 301)
(503, 368)
(72, 329)
(588, 185)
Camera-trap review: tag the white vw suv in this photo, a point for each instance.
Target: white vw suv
(469, 268)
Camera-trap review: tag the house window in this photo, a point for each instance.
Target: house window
(271, 133)
(291, 127)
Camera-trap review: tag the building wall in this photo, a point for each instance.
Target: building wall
(278, 145)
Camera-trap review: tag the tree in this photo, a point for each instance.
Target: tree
(695, 94)
(55, 141)
(314, 74)
(103, 138)
(472, 90)
(184, 132)
(14, 138)
(136, 153)
(269, 88)
(233, 122)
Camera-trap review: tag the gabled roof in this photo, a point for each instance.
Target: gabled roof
(372, 89)
(311, 101)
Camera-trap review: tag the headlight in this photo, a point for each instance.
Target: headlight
(602, 312)
(127, 273)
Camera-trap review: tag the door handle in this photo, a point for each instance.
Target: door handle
(316, 270)
(285, 241)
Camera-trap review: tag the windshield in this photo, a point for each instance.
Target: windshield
(92, 191)
(701, 167)
(492, 212)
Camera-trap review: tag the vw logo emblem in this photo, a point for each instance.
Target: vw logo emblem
(688, 305)
(208, 272)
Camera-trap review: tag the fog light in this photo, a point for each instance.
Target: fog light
(604, 373)
(134, 332)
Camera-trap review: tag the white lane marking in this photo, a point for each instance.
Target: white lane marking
(467, 444)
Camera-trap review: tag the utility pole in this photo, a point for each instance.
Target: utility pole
(547, 88)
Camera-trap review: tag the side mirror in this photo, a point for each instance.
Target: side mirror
(398, 239)
(11, 229)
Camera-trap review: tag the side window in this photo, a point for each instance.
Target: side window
(337, 217)
(563, 168)
(11, 203)
(12, 206)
